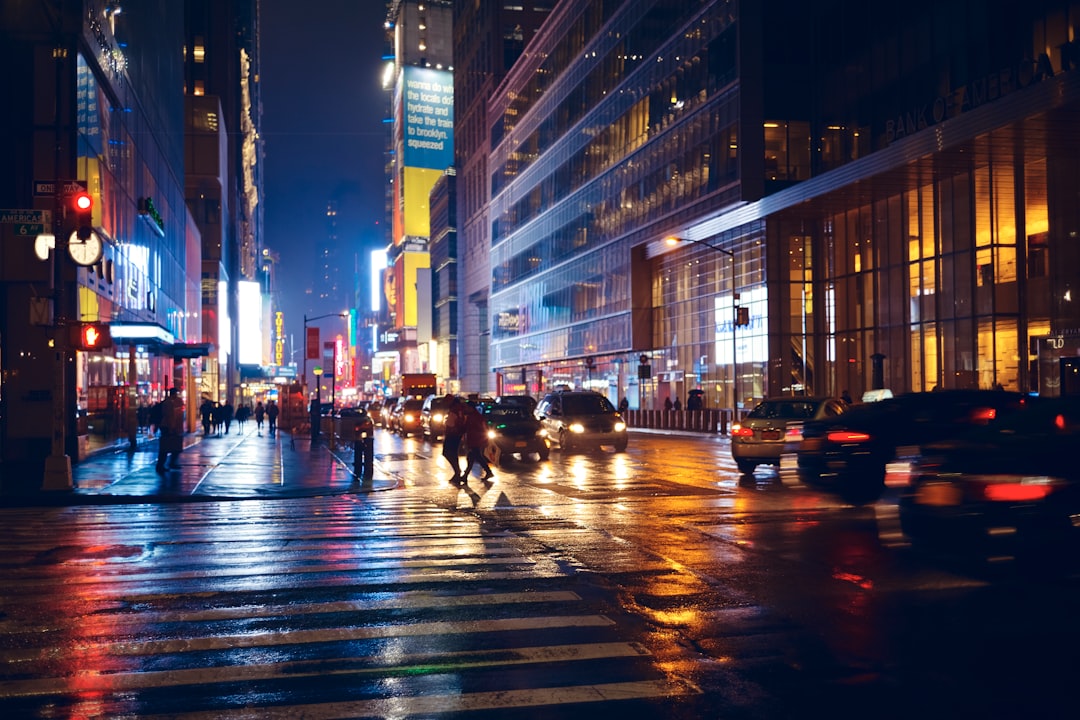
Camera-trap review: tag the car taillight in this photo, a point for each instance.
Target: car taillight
(847, 436)
(793, 434)
(983, 414)
(738, 430)
(1016, 489)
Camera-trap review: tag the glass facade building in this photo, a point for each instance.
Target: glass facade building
(762, 198)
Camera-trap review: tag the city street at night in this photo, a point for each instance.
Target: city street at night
(261, 579)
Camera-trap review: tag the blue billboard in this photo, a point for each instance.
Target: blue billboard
(428, 99)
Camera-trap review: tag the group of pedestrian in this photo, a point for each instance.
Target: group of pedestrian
(463, 421)
(217, 418)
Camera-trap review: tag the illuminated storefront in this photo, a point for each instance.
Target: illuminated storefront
(907, 231)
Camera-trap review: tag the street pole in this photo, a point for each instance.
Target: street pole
(306, 321)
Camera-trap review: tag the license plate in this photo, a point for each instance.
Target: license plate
(521, 443)
(938, 494)
(771, 435)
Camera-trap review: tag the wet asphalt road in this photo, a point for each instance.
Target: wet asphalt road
(651, 583)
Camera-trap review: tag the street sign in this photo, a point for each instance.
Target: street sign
(28, 222)
(31, 216)
(44, 188)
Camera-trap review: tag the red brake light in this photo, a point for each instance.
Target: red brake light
(983, 414)
(847, 436)
(740, 431)
(1016, 492)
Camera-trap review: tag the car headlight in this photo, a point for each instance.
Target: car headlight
(620, 426)
(408, 417)
(437, 417)
(492, 434)
(577, 428)
(542, 432)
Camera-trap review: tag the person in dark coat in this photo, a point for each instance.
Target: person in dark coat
(476, 438)
(668, 405)
(227, 416)
(171, 441)
(693, 401)
(454, 429)
(206, 413)
(260, 413)
(271, 415)
(677, 405)
(242, 414)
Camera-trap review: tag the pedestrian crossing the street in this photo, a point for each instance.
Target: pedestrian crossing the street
(354, 606)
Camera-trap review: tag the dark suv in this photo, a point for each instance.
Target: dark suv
(433, 416)
(581, 418)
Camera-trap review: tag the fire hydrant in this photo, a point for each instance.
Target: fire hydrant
(363, 446)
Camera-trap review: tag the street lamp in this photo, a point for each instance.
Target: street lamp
(307, 319)
(674, 241)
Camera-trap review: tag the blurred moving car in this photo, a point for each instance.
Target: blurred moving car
(581, 418)
(1013, 485)
(374, 410)
(759, 438)
(433, 416)
(848, 454)
(406, 416)
(385, 414)
(516, 431)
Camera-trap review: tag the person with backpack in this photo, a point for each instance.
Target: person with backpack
(172, 431)
(453, 430)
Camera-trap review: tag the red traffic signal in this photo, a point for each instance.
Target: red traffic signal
(91, 336)
(82, 203)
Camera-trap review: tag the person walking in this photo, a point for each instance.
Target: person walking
(227, 416)
(242, 414)
(206, 413)
(271, 415)
(171, 441)
(677, 406)
(260, 413)
(454, 429)
(667, 403)
(476, 438)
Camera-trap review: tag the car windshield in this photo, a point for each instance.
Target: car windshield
(785, 409)
(586, 405)
(413, 404)
(499, 412)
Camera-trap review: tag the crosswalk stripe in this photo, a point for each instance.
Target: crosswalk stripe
(404, 707)
(297, 637)
(402, 600)
(412, 665)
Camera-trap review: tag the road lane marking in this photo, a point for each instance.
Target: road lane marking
(408, 600)
(89, 681)
(438, 705)
(297, 637)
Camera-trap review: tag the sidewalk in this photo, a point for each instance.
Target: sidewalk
(229, 467)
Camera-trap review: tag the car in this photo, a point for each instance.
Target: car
(1009, 488)
(433, 416)
(386, 413)
(405, 419)
(516, 431)
(759, 438)
(581, 419)
(374, 410)
(847, 455)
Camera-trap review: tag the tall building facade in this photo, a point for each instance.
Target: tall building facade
(761, 198)
(224, 189)
(488, 39)
(100, 109)
(422, 112)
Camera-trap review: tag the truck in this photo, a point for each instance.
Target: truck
(418, 384)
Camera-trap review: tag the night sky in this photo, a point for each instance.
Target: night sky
(323, 108)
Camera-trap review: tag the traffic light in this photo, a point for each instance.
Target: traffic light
(82, 205)
(91, 336)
